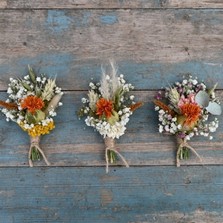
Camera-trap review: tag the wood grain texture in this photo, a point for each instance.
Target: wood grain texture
(111, 4)
(155, 43)
(193, 3)
(147, 45)
(65, 195)
(73, 143)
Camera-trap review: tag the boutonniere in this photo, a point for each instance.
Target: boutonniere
(185, 111)
(31, 104)
(107, 108)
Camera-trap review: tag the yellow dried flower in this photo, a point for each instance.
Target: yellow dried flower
(38, 130)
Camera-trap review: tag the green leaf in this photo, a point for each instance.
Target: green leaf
(35, 118)
(39, 115)
(26, 86)
(202, 98)
(32, 74)
(38, 92)
(214, 108)
(114, 118)
(30, 118)
(117, 98)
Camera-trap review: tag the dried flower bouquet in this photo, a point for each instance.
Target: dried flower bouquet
(185, 111)
(31, 104)
(108, 108)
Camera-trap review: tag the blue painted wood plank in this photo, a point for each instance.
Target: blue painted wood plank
(142, 75)
(125, 195)
(149, 45)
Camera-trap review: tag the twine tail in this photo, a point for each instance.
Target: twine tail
(181, 144)
(43, 155)
(29, 158)
(121, 156)
(179, 149)
(177, 156)
(194, 151)
(106, 158)
(110, 145)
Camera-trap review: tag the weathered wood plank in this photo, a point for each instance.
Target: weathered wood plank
(193, 3)
(73, 143)
(148, 194)
(148, 45)
(153, 47)
(112, 4)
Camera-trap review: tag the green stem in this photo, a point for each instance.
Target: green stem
(112, 157)
(184, 153)
(35, 154)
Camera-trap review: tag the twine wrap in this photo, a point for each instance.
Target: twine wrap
(34, 143)
(110, 146)
(182, 143)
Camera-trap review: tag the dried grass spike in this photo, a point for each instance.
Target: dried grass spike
(136, 106)
(9, 106)
(164, 107)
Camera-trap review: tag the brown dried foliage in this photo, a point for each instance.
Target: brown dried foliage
(9, 106)
(164, 107)
(136, 106)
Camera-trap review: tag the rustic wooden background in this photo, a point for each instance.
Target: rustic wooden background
(154, 43)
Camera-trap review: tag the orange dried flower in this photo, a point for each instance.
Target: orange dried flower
(192, 113)
(32, 103)
(104, 107)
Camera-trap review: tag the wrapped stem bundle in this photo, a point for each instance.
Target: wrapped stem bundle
(183, 149)
(31, 104)
(111, 152)
(108, 108)
(184, 111)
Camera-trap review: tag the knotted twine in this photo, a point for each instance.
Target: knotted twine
(110, 146)
(182, 143)
(34, 143)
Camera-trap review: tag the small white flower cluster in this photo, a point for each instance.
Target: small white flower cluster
(10, 114)
(168, 123)
(125, 86)
(17, 91)
(187, 87)
(205, 129)
(108, 88)
(106, 129)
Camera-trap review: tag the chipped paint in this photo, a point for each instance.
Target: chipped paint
(57, 21)
(7, 193)
(109, 19)
(106, 197)
(82, 20)
(138, 73)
